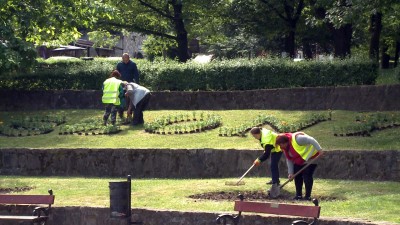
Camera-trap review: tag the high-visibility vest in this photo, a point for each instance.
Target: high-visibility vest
(269, 138)
(111, 91)
(299, 153)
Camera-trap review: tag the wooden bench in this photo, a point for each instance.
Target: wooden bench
(272, 208)
(40, 213)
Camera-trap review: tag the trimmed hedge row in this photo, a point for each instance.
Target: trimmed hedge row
(239, 74)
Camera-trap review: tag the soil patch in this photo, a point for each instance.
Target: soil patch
(254, 195)
(15, 189)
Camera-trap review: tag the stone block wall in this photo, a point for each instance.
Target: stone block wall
(383, 97)
(188, 163)
(101, 216)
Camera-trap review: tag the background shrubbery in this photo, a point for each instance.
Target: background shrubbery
(241, 74)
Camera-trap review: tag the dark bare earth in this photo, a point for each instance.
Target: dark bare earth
(15, 189)
(285, 196)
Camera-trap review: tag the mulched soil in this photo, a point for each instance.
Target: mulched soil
(253, 195)
(15, 189)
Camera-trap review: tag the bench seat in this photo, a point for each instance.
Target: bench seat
(40, 214)
(272, 208)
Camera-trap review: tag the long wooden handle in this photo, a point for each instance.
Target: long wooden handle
(241, 178)
(301, 170)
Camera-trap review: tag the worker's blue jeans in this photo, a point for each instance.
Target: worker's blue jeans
(275, 157)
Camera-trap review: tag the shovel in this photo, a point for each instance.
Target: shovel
(275, 190)
(239, 182)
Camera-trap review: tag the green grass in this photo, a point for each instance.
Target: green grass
(388, 76)
(135, 137)
(376, 201)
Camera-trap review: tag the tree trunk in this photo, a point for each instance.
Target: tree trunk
(397, 52)
(307, 51)
(375, 31)
(290, 43)
(181, 33)
(385, 57)
(342, 40)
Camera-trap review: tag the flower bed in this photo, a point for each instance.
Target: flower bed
(89, 127)
(32, 125)
(276, 124)
(183, 123)
(364, 124)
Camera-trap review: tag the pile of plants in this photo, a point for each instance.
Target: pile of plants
(238, 74)
(32, 125)
(278, 125)
(183, 123)
(91, 126)
(364, 124)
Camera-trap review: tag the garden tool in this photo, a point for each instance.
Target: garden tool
(239, 182)
(275, 189)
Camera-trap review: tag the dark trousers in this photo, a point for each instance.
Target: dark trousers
(307, 177)
(275, 157)
(140, 107)
(112, 110)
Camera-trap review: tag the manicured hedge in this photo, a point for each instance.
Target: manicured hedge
(239, 74)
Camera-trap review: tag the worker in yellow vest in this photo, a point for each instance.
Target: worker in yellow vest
(267, 140)
(299, 148)
(113, 95)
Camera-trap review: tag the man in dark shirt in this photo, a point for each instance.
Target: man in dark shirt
(128, 69)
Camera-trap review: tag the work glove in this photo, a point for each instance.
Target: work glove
(257, 162)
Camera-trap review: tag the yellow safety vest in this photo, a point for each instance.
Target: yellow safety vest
(269, 138)
(304, 151)
(111, 91)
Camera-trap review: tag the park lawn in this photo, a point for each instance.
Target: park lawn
(369, 200)
(135, 137)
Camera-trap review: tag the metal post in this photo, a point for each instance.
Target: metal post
(128, 218)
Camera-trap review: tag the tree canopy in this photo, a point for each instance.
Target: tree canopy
(225, 27)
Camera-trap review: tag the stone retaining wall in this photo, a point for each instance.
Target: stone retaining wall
(184, 163)
(382, 98)
(101, 216)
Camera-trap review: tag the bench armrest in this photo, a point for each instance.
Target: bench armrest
(39, 210)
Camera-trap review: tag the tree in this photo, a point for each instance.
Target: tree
(49, 22)
(290, 12)
(168, 19)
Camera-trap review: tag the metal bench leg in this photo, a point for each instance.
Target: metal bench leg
(223, 219)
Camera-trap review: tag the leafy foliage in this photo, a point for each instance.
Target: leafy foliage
(103, 39)
(239, 74)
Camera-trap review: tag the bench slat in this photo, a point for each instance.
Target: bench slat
(27, 199)
(24, 218)
(278, 209)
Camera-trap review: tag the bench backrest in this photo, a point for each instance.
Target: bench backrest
(278, 208)
(27, 199)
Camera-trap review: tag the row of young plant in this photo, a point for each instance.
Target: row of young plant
(364, 124)
(91, 126)
(238, 74)
(32, 125)
(183, 123)
(278, 125)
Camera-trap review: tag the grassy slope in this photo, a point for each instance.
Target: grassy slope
(377, 201)
(136, 138)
